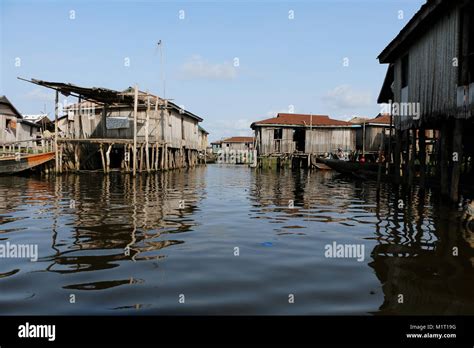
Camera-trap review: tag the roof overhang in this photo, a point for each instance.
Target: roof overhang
(419, 23)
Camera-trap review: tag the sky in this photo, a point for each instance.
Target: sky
(230, 62)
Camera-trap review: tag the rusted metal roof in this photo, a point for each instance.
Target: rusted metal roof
(107, 96)
(302, 120)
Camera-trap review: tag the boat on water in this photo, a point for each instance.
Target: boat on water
(357, 169)
(12, 164)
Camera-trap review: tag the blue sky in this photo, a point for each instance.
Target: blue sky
(283, 63)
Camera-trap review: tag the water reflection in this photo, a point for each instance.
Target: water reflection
(135, 243)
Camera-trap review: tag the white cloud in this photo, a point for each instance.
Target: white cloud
(40, 94)
(199, 68)
(344, 97)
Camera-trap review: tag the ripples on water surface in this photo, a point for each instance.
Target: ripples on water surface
(190, 251)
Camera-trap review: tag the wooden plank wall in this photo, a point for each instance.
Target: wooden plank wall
(432, 77)
(92, 127)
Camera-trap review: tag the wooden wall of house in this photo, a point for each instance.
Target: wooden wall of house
(27, 132)
(21, 133)
(5, 134)
(432, 77)
(237, 146)
(202, 140)
(168, 122)
(373, 138)
(322, 140)
(268, 145)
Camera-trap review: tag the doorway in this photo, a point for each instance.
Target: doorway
(299, 137)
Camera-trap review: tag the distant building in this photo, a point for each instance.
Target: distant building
(372, 133)
(14, 126)
(306, 134)
(216, 146)
(41, 120)
(238, 143)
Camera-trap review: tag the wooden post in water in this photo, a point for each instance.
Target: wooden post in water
(396, 156)
(107, 157)
(101, 147)
(135, 112)
(147, 121)
(412, 147)
(457, 155)
(56, 129)
(422, 155)
(443, 163)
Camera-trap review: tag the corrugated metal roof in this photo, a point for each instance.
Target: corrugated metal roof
(302, 120)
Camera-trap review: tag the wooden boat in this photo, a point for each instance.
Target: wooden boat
(20, 162)
(357, 169)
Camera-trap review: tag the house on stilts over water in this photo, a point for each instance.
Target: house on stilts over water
(130, 130)
(429, 90)
(298, 139)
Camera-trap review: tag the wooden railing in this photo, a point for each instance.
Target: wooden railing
(31, 146)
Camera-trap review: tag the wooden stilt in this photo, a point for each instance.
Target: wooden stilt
(77, 161)
(443, 163)
(107, 158)
(422, 155)
(456, 157)
(135, 116)
(396, 156)
(147, 121)
(141, 158)
(412, 155)
(101, 147)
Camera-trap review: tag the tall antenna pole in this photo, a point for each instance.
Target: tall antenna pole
(162, 68)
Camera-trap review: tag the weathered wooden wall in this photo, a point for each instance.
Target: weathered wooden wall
(322, 140)
(433, 75)
(167, 122)
(268, 145)
(373, 137)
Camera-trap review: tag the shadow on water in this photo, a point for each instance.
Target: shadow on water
(126, 243)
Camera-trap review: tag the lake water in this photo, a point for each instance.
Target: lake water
(228, 240)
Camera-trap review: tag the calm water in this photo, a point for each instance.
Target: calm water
(83, 223)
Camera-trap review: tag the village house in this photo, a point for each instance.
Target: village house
(305, 134)
(130, 129)
(41, 120)
(429, 86)
(237, 143)
(373, 134)
(15, 128)
(216, 146)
